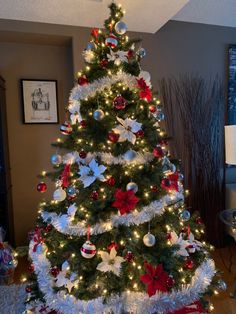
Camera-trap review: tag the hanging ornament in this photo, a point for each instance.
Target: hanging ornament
(170, 282)
(82, 80)
(140, 133)
(141, 52)
(83, 124)
(48, 228)
(154, 188)
(42, 187)
(188, 264)
(152, 109)
(88, 250)
(94, 195)
(104, 63)
(130, 155)
(54, 271)
(129, 257)
(82, 154)
(222, 285)
(111, 181)
(185, 215)
(149, 239)
(167, 166)
(91, 45)
(111, 245)
(56, 159)
(31, 268)
(71, 192)
(113, 137)
(66, 128)
(28, 289)
(98, 115)
(121, 28)
(181, 176)
(199, 221)
(158, 152)
(132, 186)
(111, 41)
(119, 102)
(59, 195)
(159, 115)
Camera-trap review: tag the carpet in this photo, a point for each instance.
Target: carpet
(12, 299)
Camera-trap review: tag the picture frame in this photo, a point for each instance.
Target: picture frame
(231, 100)
(39, 101)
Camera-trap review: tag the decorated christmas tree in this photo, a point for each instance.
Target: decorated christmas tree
(117, 237)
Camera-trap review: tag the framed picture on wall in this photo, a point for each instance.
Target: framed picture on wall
(232, 86)
(40, 102)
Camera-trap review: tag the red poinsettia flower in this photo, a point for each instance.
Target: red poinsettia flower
(155, 278)
(145, 91)
(125, 201)
(171, 182)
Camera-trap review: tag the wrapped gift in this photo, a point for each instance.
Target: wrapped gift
(8, 261)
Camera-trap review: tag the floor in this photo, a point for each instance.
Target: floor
(222, 303)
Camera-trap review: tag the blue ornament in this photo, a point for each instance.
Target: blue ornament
(71, 191)
(185, 215)
(98, 115)
(56, 159)
(141, 52)
(130, 155)
(90, 45)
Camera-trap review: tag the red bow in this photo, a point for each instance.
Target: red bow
(145, 91)
(65, 176)
(37, 238)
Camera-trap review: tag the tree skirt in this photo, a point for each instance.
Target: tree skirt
(12, 299)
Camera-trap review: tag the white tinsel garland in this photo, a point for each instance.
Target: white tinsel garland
(155, 208)
(132, 302)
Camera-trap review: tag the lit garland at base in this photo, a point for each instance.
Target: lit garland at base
(134, 302)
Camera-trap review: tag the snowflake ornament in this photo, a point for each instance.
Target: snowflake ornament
(110, 262)
(127, 129)
(183, 244)
(117, 57)
(92, 172)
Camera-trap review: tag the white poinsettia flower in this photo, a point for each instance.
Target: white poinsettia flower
(193, 244)
(70, 158)
(89, 56)
(117, 57)
(126, 129)
(110, 262)
(92, 172)
(62, 280)
(65, 219)
(74, 109)
(178, 240)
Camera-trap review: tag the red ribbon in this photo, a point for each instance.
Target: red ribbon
(38, 239)
(65, 176)
(88, 233)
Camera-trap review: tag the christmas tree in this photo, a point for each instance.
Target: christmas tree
(117, 237)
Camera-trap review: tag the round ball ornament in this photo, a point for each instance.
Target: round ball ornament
(56, 159)
(121, 28)
(113, 137)
(111, 41)
(130, 155)
(31, 268)
(111, 181)
(42, 187)
(189, 264)
(66, 128)
(71, 191)
(149, 239)
(140, 134)
(170, 282)
(98, 115)
(28, 289)
(83, 124)
(59, 195)
(119, 102)
(55, 271)
(158, 152)
(222, 285)
(88, 250)
(132, 186)
(94, 195)
(141, 52)
(129, 257)
(185, 215)
(90, 45)
(82, 154)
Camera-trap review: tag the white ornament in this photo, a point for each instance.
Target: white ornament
(98, 115)
(127, 129)
(110, 262)
(132, 186)
(117, 57)
(92, 172)
(88, 249)
(180, 242)
(149, 239)
(59, 195)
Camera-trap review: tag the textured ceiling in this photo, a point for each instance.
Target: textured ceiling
(215, 12)
(142, 15)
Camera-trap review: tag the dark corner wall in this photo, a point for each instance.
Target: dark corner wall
(46, 51)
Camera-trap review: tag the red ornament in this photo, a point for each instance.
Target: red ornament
(48, 228)
(111, 181)
(42, 187)
(111, 41)
(170, 282)
(152, 109)
(83, 154)
(158, 152)
(55, 271)
(168, 236)
(94, 195)
(155, 278)
(154, 189)
(111, 245)
(140, 133)
(145, 91)
(125, 201)
(66, 128)
(199, 221)
(189, 264)
(28, 289)
(129, 257)
(31, 268)
(130, 54)
(82, 80)
(119, 102)
(113, 137)
(95, 32)
(83, 124)
(104, 63)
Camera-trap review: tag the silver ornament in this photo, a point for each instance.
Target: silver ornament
(98, 115)
(167, 166)
(149, 239)
(185, 215)
(121, 28)
(222, 285)
(132, 186)
(130, 155)
(141, 52)
(90, 45)
(56, 159)
(59, 195)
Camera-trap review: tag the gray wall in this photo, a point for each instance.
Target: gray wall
(41, 51)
